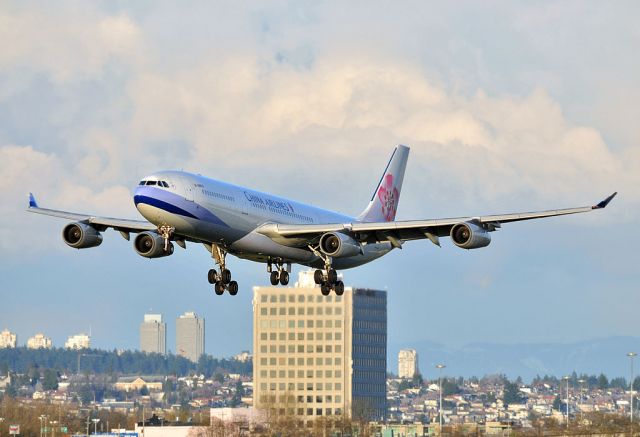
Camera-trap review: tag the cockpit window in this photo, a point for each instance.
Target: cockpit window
(151, 182)
(164, 184)
(142, 182)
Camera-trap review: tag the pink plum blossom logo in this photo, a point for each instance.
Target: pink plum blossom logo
(388, 195)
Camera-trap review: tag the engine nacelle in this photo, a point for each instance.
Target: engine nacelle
(151, 245)
(81, 236)
(337, 244)
(470, 236)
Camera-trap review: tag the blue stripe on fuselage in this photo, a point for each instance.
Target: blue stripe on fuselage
(175, 204)
(166, 206)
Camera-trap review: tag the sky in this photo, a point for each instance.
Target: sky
(507, 106)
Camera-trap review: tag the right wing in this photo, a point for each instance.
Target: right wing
(303, 235)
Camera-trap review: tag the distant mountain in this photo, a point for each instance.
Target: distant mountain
(604, 355)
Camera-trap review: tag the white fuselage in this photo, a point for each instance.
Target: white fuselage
(216, 212)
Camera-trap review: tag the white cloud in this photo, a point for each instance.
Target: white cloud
(304, 128)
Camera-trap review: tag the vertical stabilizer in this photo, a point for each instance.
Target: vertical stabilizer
(384, 202)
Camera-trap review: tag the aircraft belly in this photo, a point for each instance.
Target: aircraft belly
(258, 247)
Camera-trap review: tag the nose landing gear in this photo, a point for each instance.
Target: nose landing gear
(221, 280)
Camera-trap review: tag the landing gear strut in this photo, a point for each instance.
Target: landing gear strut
(221, 280)
(327, 279)
(166, 232)
(281, 274)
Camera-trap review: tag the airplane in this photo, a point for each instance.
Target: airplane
(182, 207)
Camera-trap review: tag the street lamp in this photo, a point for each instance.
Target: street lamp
(440, 367)
(566, 378)
(41, 419)
(95, 425)
(581, 381)
(631, 355)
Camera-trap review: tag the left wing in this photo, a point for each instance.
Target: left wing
(100, 223)
(397, 232)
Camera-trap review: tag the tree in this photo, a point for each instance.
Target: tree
(618, 383)
(557, 403)
(449, 387)
(636, 383)
(512, 394)
(50, 380)
(603, 382)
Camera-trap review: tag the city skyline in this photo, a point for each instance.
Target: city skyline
(504, 107)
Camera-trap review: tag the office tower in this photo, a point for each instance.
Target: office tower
(8, 339)
(190, 336)
(78, 341)
(39, 341)
(153, 334)
(407, 363)
(318, 355)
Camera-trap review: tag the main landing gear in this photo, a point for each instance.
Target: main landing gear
(328, 280)
(221, 280)
(281, 274)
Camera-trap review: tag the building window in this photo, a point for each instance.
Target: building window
(263, 311)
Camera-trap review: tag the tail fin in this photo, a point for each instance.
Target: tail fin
(384, 202)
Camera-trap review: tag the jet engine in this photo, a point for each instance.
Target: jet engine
(470, 236)
(337, 244)
(151, 245)
(81, 236)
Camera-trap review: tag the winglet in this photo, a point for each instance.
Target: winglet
(32, 201)
(605, 202)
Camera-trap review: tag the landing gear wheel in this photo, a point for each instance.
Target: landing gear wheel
(275, 278)
(332, 276)
(325, 289)
(233, 288)
(339, 287)
(219, 288)
(212, 276)
(284, 277)
(318, 277)
(226, 276)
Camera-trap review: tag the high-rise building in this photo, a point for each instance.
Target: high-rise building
(318, 355)
(8, 339)
(39, 341)
(190, 336)
(153, 334)
(408, 363)
(78, 341)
